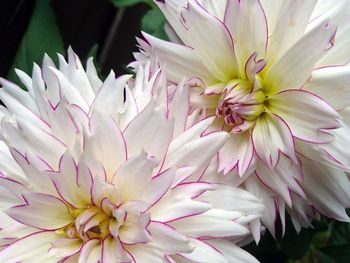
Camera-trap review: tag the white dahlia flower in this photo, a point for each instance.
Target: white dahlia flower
(275, 75)
(89, 174)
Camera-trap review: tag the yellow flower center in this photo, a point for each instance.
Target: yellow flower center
(92, 222)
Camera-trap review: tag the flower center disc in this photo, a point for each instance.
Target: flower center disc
(240, 102)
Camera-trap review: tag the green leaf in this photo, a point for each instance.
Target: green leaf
(323, 258)
(153, 23)
(294, 245)
(42, 36)
(341, 234)
(339, 253)
(125, 3)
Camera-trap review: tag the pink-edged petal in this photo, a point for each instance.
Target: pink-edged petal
(203, 252)
(171, 10)
(271, 137)
(332, 84)
(32, 248)
(337, 13)
(181, 151)
(213, 223)
(165, 241)
(221, 197)
(308, 116)
(141, 131)
(36, 179)
(92, 75)
(327, 188)
(242, 19)
(70, 92)
(286, 176)
(192, 133)
(216, 8)
(110, 98)
(9, 166)
(158, 186)
(238, 152)
(11, 193)
(179, 202)
(269, 214)
(302, 214)
(134, 175)
(18, 103)
(91, 252)
(65, 247)
(77, 76)
(106, 149)
(101, 190)
(288, 72)
(180, 108)
(66, 182)
(27, 137)
(129, 111)
(291, 21)
(113, 252)
(181, 61)
(135, 227)
(46, 212)
(337, 153)
(232, 178)
(217, 52)
(232, 252)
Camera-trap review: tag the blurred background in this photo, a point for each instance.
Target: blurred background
(106, 29)
(100, 28)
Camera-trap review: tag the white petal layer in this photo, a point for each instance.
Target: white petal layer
(32, 248)
(46, 212)
(288, 72)
(271, 128)
(327, 188)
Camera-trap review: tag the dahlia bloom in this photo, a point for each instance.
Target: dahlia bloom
(274, 75)
(89, 174)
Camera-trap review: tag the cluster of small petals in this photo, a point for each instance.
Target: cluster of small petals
(275, 76)
(96, 171)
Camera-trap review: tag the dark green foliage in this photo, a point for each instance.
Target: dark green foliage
(153, 23)
(42, 36)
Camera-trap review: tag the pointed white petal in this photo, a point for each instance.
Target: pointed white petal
(106, 147)
(113, 252)
(141, 132)
(290, 24)
(272, 137)
(307, 115)
(181, 61)
(180, 202)
(216, 52)
(134, 175)
(327, 188)
(47, 212)
(332, 84)
(288, 72)
(232, 252)
(283, 178)
(32, 248)
(242, 19)
(238, 152)
(91, 252)
(213, 223)
(66, 182)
